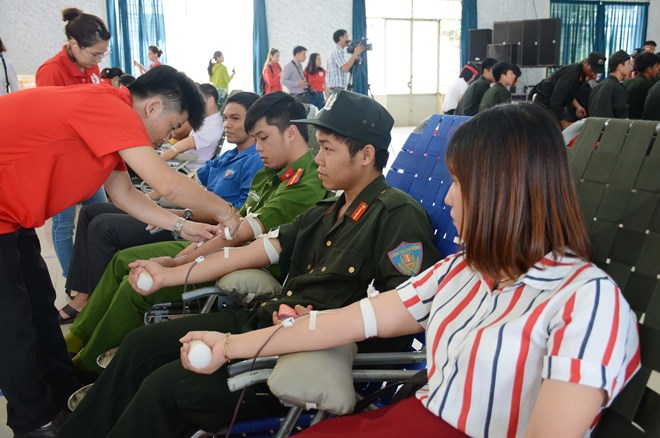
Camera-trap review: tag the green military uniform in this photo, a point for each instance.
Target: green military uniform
(115, 309)
(496, 95)
(609, 99)
(652, 105)
(384, 236)
(279, 195)
(469, 103)
(638, 88)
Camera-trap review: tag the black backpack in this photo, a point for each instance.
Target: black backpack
(262, 83)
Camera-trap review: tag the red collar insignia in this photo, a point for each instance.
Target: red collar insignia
(296, 177)
(286, 175)
(359, 211)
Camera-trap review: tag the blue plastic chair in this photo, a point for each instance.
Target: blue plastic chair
(420, 170)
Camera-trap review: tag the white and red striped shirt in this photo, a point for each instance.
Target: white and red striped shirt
(489, 351)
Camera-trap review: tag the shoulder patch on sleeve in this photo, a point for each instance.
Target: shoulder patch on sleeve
(407, 257)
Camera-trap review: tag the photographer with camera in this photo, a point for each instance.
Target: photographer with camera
(293, 76)
(339, 62)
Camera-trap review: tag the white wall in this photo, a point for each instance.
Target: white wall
(653, 30)
(33, 30)
(306, 23)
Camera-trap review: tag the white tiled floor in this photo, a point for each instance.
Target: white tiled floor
(399, 136)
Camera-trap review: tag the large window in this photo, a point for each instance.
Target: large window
(197, 28)
(602, 25)
(416, 45)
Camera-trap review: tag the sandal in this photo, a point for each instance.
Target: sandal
(71, 313)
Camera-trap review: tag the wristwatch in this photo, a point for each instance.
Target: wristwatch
(187, 214)
(178, 227)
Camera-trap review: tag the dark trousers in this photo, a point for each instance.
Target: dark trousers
(103, 229)
(146, 392)
(36, 374)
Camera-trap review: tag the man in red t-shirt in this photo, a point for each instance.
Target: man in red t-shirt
(58, 145)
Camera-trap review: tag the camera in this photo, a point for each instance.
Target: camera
(354, 43)
(311, 91)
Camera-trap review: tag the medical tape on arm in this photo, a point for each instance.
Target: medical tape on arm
(271, 252)
(368, 318)
(254, 224)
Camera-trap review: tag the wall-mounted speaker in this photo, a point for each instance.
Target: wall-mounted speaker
(479, 40)
(504, 52)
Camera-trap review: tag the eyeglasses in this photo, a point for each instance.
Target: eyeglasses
(97, 55)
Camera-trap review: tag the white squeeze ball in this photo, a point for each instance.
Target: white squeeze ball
(144, 281)
(199, 354)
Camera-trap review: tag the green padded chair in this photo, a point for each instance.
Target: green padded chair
(616, 166)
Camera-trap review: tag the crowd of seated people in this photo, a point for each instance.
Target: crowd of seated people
(279, 226)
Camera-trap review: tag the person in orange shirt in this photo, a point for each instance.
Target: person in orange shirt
(111, 75)
(315, 77)
(154, 55)
(272, 73)
(57, 146)
(77, 63)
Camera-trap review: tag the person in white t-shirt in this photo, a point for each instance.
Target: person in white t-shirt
(203, 142)
(458, 87)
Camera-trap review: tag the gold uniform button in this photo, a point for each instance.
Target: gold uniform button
(351, 270)
(384, 190)
(263, 304)
(328, 243)
(311, 271)
(309, 267)
(323, 269)
(288, 294)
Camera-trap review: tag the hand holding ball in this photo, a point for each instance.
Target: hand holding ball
(144, 281)
(199, 354)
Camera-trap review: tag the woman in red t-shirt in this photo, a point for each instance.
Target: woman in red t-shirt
(315, 77)
(154, 55)
(272, 72)
(76, 64)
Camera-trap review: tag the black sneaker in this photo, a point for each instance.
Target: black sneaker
(46, 431)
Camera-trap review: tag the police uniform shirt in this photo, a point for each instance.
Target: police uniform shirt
(637, 87)
(384, 236)
(280, 195)
(609, 99)
(496, 95)
(562, 88)
(469, 104)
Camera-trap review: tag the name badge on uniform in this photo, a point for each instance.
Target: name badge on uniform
(407, 257)
(254, 196)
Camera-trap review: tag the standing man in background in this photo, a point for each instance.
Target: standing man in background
(293, 75)
(339, 63)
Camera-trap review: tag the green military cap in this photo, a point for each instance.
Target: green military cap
(356, 116)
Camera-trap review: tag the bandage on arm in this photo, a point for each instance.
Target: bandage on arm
(368, 318)
(255, 225)
(271, 251)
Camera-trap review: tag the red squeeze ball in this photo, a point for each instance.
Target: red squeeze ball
(285, 312)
